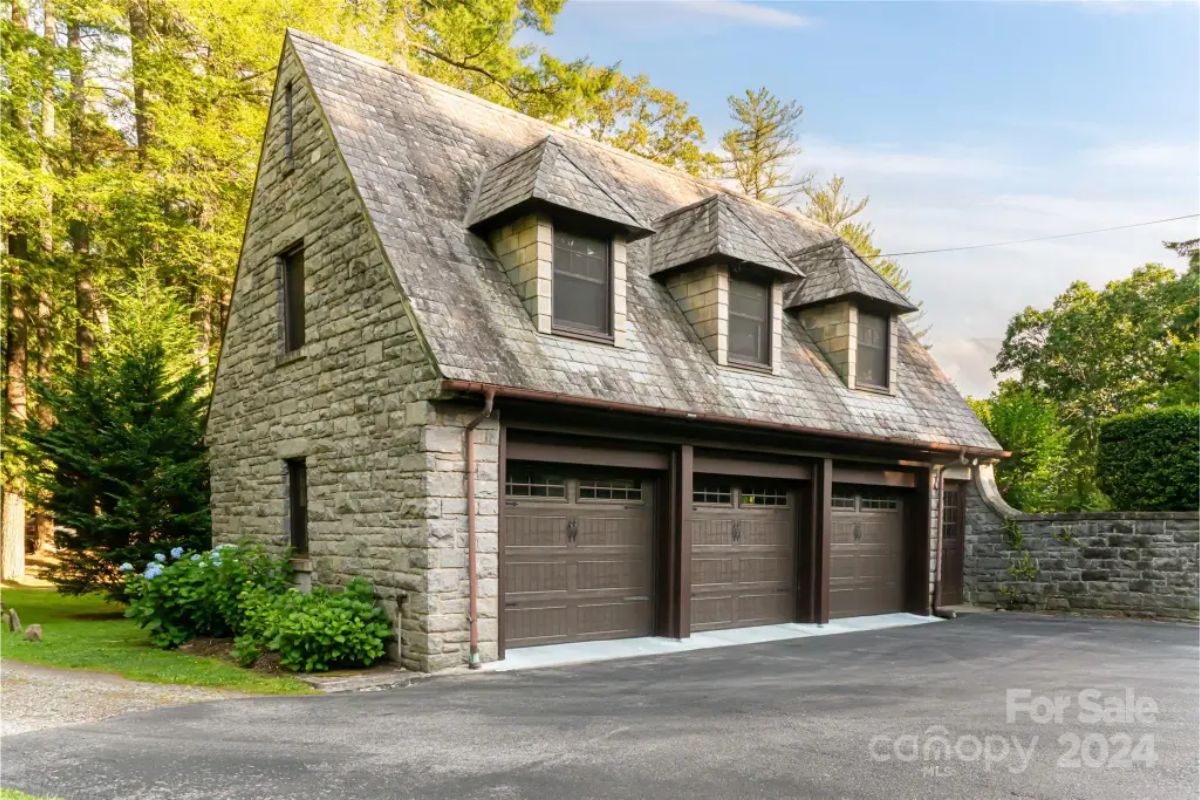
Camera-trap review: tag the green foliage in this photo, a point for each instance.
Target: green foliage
(120, 460)
(1150, 460)
(1023, 567)
(761, 146)
(197, 594)
(91, 632)
(1094, 354)
(644, 119)
(1037, 477)
(314, 632)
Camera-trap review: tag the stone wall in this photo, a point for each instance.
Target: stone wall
(386, 486)
(1143, 564)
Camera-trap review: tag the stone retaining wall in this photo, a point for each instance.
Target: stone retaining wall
(1144, 564)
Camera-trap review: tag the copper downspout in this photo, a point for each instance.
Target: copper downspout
(472, 571)
(608, 405)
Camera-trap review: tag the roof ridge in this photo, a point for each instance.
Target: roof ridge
(557, 128)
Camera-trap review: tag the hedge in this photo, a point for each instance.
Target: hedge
(1150, 460)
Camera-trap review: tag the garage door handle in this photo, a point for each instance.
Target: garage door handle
(572, 529)
(737, 531)
(858, 531)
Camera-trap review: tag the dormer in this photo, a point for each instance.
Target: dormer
(560, 236)
(852, 314)
(726, 278)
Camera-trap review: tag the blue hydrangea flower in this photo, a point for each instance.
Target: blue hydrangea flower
(195, 557)
(126, 567)
(216, 561)
(153, 570)
(159, 557)
(176, 552)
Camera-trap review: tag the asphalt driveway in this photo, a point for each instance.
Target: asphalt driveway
(911, 712)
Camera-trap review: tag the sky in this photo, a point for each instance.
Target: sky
(965, 123)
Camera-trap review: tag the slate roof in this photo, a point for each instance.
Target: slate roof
(416, 151)
(713, 230)
(835, 271)
(545, 174)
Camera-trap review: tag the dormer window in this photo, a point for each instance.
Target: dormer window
(582, 283)
(851, 313)
(749, 323)
(560, 236)
(871, 367)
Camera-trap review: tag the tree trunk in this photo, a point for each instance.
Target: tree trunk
(12, 515)
(12, 510)
(86, 300)
(44, 522)
(139, 28)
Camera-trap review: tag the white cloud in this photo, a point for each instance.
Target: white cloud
(748, 13)
(825, 156)
(676, 12)
(1143, 155)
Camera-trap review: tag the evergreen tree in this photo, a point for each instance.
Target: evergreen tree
(122, 464)
(761, 147)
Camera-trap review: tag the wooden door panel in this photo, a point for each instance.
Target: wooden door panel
(576, 570)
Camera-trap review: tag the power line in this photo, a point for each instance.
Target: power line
(1040, 238)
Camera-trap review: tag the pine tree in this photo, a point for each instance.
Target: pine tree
(760, 149)
(122, 464)
(828, 204)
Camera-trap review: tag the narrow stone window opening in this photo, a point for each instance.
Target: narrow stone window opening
(297, 491)
(288, 137)
(291, 267)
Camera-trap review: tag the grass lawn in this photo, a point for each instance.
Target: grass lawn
(89, 632)
(13, 794)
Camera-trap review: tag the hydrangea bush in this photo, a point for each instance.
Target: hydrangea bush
(314, 632)
(244, 592)
(179, 598)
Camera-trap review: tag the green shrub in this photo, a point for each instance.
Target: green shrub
(181, 595)
(314, 632)
(1150, 460)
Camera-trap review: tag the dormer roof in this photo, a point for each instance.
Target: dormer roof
(713, 231)
(836, 272)
(544, 174)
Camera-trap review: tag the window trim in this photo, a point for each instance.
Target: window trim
(565, 327)
(297, 506)
(289, 347)
(741, 361)
(884, 387)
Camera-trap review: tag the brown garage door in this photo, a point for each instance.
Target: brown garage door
(743, 565)
(866, 553)
(578, 557)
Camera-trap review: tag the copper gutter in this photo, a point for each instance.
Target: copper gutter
(493, 390)
(472, 570)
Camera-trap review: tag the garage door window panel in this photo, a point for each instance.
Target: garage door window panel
(620, 490)
(535, 484)
(712, 492)
(760, 497)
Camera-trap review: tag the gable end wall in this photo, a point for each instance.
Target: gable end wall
(386, 494)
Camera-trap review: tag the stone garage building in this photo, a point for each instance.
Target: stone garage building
(539, 390)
